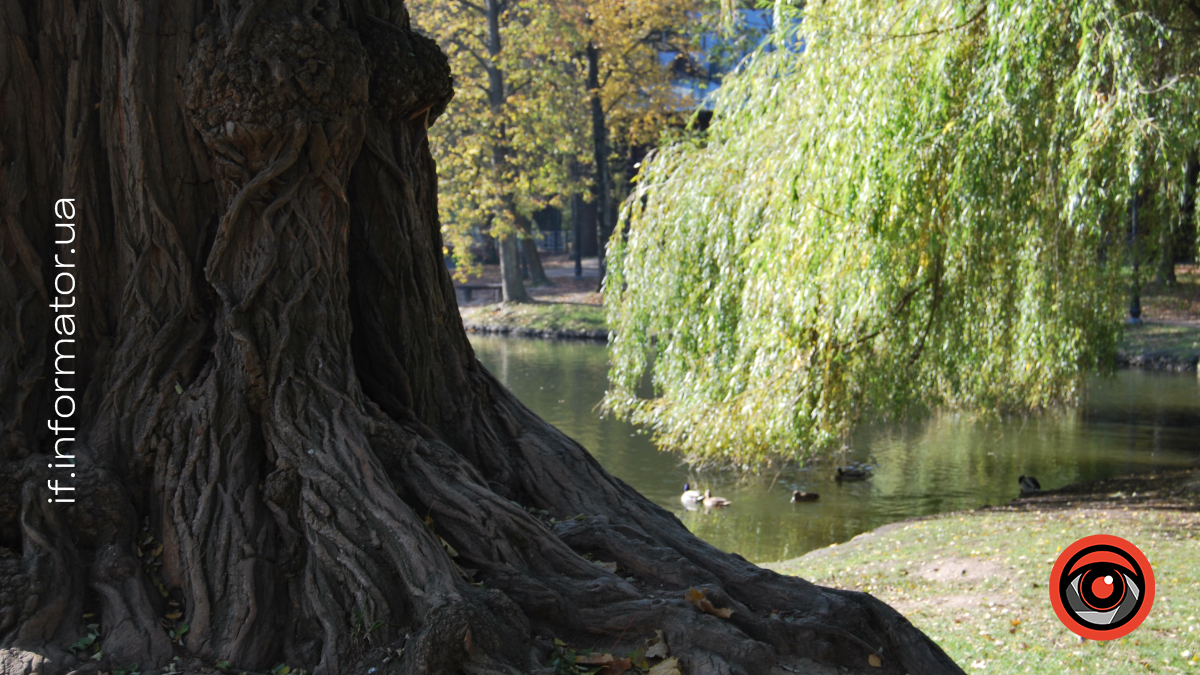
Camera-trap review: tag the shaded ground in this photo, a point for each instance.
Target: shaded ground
(565, 287)
(1169, 337)
(1179, 303)
(976, 581)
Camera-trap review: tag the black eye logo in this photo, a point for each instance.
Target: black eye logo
(1102, 587)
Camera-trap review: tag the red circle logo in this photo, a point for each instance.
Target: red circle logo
(1102, 587)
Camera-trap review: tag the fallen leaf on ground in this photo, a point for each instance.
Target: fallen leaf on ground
(875, 661)
(667, 667)
(617, 667)
(658, 647)
(697, 598)
(594, 659)
(723, 612)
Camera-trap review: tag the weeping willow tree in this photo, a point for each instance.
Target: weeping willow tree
(901, 205)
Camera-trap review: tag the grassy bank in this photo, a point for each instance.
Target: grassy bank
(537, 316)
(976, 581)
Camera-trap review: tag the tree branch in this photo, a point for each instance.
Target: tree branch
(486, 63)
(932, 31)
(519, 87)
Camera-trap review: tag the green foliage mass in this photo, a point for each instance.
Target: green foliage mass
(927, 206)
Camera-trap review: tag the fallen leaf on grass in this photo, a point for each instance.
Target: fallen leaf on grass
(875, 661)
(697, 598)
(658, 647)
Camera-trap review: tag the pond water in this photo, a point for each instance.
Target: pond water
(1132, 422)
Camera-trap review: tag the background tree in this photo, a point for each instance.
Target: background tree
(507, 140)
(567, 81)
(630, 92)
(285, 448)
(921, 209)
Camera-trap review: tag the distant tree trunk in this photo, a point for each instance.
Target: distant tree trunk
(1185, 236)
(1165, 274)
(283, 438)
(1176, 243)
(512, 285)
(577, 224)
(533, 259)
(603, 185)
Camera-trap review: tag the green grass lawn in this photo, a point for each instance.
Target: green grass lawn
(975, 582)
(537, 316)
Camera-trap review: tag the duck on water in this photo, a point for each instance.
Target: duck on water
(690, 497)
(711, 502)
(845, 473)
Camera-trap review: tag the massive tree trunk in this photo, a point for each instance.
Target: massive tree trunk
(283, 439)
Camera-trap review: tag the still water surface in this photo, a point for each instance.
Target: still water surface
(1133, 422)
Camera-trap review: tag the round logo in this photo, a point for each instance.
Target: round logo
(1102, 587)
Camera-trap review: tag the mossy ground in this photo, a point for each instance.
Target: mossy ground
(976, 582)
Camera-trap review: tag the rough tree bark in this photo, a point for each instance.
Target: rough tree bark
(275, 385)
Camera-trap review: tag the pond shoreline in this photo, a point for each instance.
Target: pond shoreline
(1154, 361)
(1177, 490)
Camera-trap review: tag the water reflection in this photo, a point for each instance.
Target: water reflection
(1130, 423)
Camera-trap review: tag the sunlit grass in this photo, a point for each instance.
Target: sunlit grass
(976, 583)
